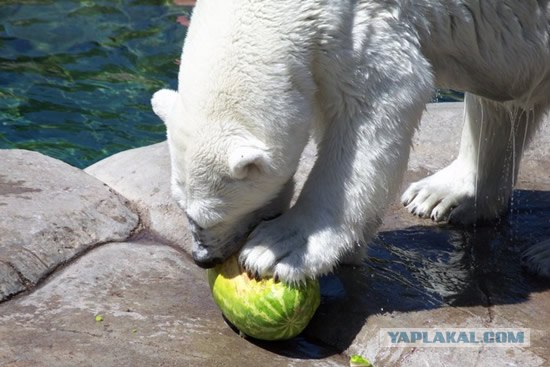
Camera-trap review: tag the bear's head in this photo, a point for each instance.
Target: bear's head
(223, 177)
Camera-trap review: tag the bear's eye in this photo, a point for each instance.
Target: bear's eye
(193, 224)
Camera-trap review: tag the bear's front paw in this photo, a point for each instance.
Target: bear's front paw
(288, 250)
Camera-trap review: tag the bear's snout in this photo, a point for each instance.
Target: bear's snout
(197, 232)
(203, 258)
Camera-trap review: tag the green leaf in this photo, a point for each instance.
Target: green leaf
(359, 361)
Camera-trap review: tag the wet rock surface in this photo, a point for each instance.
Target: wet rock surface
(422, 275)
(155, 305)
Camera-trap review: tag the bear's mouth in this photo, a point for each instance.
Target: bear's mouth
(203, 256)
(268, 218)
(207, 257)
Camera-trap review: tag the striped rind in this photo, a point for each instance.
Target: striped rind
(264, 309)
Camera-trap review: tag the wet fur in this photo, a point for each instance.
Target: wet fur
(356, 76)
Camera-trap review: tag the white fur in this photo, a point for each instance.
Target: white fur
(258, 77)
(478, 184)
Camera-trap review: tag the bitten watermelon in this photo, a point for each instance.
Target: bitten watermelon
(263, 309)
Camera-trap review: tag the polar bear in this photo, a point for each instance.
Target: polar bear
(258, 78)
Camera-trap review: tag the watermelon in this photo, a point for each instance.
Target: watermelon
(262, 309)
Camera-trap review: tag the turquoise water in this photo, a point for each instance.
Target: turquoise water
(76, 76)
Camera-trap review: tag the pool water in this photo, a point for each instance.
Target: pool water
(76, 76)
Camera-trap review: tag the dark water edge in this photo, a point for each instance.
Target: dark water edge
(447, 95)
(76, 76)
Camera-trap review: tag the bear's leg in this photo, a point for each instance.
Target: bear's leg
(364, 142)
(478, 184)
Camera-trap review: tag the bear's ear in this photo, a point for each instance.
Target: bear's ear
(163, 102)
(245, 158)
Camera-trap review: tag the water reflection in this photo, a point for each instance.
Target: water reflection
(424, 268)
(427, 267)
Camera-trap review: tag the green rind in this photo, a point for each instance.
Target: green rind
(263, 309)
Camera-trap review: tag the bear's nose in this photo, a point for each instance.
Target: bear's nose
(202, 258)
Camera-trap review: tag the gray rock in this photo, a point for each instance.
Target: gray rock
(10, 282)
(143, 176)
(438, 138)
(156, 309)
(50, 213)
(437, 142)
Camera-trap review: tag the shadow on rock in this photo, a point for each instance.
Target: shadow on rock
(430, 267)
(299, 347)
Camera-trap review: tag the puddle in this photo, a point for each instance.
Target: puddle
(427, 267)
